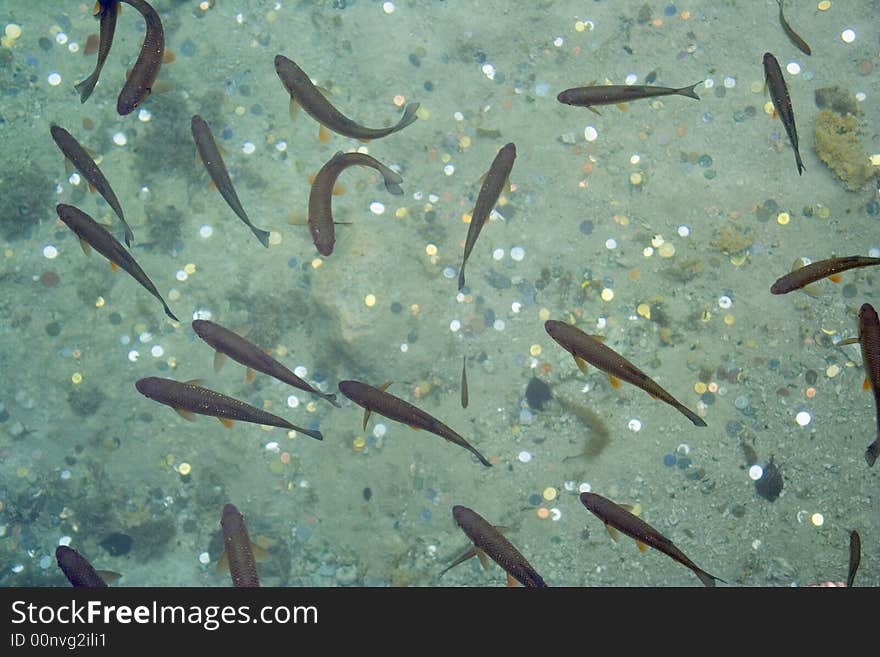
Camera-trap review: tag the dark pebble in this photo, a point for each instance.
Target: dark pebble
(534, 499)
(414, 60)
(587, 227)
(769, 486)
(115, 319)
(873, 208)
(396, 307)
(498, 281)
(707, 398)
(849, 291)
(45, 44)
(537, 394)
(733, 428)
(683, 463)
(412, 336)
(489, 316)
(53, 328)
(368, 494)
(257, 110)
(187, 48)
(117, 544)
(429, 86)
(669, 460)
(811, 376)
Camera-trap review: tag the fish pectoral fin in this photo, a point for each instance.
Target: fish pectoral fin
(222, 563)
(260, 553)
(367, 412)
(866, 384)
(511, 582)
(415, 428)
(385, 386)
(642, 547)
(85, 247)
(611, 532)
(338, 190)
(293, 109)
(189, 416)
(109, 576)
(834, 278)
(113, 266)
(615, 382)
(812, 290)
(848, 341)
(250, 375)
(582, 364)
(194, 382)
(219, 360)
(484, 560)
(502, 529)
(594, 110)
(226, 422)
(623, 107)
(68, 166)
(323, 134)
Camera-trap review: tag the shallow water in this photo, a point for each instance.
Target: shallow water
(585, 236)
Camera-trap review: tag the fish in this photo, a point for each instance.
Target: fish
(237, 548)
(106, 12)
(869, 339)
(612, 94)
(146, 69)
(83, 162)
(791, 34)
(213, 162)
(490, 540)
(306, 94)
(464, 388)
(616, 517)
(782, 103)
(855, 556)
(587, 348)
(321, 194)
(820, 269)
(188, 397)
(228, 343)
(394, 408)
(494, 182)
(77, 569)
(93, 234)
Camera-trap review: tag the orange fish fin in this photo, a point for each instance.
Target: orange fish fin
(194, 382)
(226, 422)
(91, 188)
(385, 386)
(484, 560)
(415, 428)
(866, 384)
(615, 382)
(168, 56)
(219, 360)
(222, 563)
(185, 414)
(109, 576)
(323, 134)
(582, 364)
(250, 375)
(212, 186)
(834, 278)
(642, 547)
(367, 412)
(502, 529)
(87, 249)
(114, 266)
(96, 9)
(623, 107)
(611, 532)
(511, 581)
(338, 190)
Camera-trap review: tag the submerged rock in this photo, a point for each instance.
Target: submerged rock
(769, 486)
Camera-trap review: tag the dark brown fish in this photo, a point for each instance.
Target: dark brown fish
(146, 69)
(586, 348)
(301, 90)
(251, 356)
(782, 103)
(869, 339)
(321, 194)
(464, 388)
(106, 12)
(611, 94)
(83, 162)
(394, 408)
(792, 35)
(820, 269)
(213, 162)
(487, 538)
(615, 516)
(855, 556)
(237, 545)
(187, 398)
(93, 234)
(493, 184)
(77, 568)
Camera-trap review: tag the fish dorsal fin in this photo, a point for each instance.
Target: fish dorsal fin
(484, 560)
(226, 422)
(582, 364)
(86, 248)
(367, 412)
(611, 532)
(642, 547)
(189, 416)
(194, 382)
(250, 375)
(219, 360)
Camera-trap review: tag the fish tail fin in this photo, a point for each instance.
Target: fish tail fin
(317, 435)
(129, 235)
(800, 165)
(262, 235)
(409, 116)
(693, 417)
(707, 579)
(86, 87)
(169, 313)
(330, 397)
(392, 182)
(461, 278)
(689, 91)
(481, 458)
(873, 450)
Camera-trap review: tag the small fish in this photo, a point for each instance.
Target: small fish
(83, 162)
(227, 343)
(93, 234)
(321, 194)
(495, 181)
(464, 389)
(770, 484)
(106, 12)
(855, 556)
(586, 348)
(612, 94)
(237, 548)
(820, 269)
(302, 91)
(616, 517)
(146, 69)
(488, 539)
(869, 339)
(187, 398)
(213, 162)
(77, 569)
(782, 103)
(792, 35)
(394, 408)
